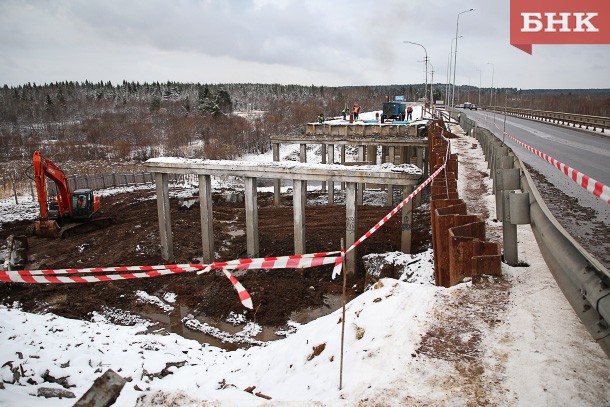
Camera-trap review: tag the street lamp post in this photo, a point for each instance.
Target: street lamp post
(457, 25)
(491, 91)
(449, 71)
(426, 63)
(431, 83)
(480, 73)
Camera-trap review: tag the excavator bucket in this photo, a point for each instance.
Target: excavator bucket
(46, 228)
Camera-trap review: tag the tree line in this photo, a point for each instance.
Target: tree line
(75, 123)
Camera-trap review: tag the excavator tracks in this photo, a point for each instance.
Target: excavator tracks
(74, 229)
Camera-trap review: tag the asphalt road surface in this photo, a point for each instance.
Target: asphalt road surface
(583, 215)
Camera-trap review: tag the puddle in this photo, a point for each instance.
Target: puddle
(230, 336)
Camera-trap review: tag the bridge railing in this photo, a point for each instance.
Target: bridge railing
(588, 121)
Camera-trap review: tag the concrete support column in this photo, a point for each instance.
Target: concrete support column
(251, 218)
(403, 155)
(390, 196)
(207, 220)
(407, 221)
(408, 155)
(298, 207)
(331, 184)
(276, 182)
(165, 221)
(323, 154)
(342, 163)
(351, 226)
(420, 158)
(303, 158)
(371, 154)
(360, 191)
(426, 162)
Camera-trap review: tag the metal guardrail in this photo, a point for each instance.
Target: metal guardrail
(582, 278)
(595, 122)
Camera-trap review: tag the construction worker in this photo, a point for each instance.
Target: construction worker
(321, 118)
(356, 111)
(409, 113)
(344, 113)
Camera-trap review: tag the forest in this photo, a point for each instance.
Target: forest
(98, 127)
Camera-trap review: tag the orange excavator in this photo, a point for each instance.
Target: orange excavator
(67, 213)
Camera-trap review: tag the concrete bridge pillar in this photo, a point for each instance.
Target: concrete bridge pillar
(407, 221)
(165, 221)
(351, 226)
(251, 218)
(299, 199)
(276, 182)
(323, 154)
(342, 163)
(207, 221)
(360, 191)
(391, 159)
(331, 184)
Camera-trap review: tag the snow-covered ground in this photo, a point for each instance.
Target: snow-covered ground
(407, 342)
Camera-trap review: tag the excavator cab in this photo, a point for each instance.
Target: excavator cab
(82, 204)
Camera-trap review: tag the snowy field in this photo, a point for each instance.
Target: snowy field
(531, 350)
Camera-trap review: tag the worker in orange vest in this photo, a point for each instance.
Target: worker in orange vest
(356, 111)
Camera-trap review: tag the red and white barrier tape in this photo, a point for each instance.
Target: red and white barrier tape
(590, 184)
(66, 276)
(396, 209)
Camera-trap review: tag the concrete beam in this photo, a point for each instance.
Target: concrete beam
(407, 175)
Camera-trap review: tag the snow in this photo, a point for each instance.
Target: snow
(529, 346)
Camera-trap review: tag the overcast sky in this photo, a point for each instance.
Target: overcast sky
(325, 42)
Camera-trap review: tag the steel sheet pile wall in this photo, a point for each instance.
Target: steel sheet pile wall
(458, 239)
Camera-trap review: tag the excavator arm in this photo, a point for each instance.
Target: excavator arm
(43, 168)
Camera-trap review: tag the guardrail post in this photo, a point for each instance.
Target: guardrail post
(207, 221)
(505, 180)
(516, 212)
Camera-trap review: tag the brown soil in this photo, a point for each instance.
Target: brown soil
(133, 239)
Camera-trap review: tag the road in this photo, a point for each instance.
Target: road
(584, 216)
